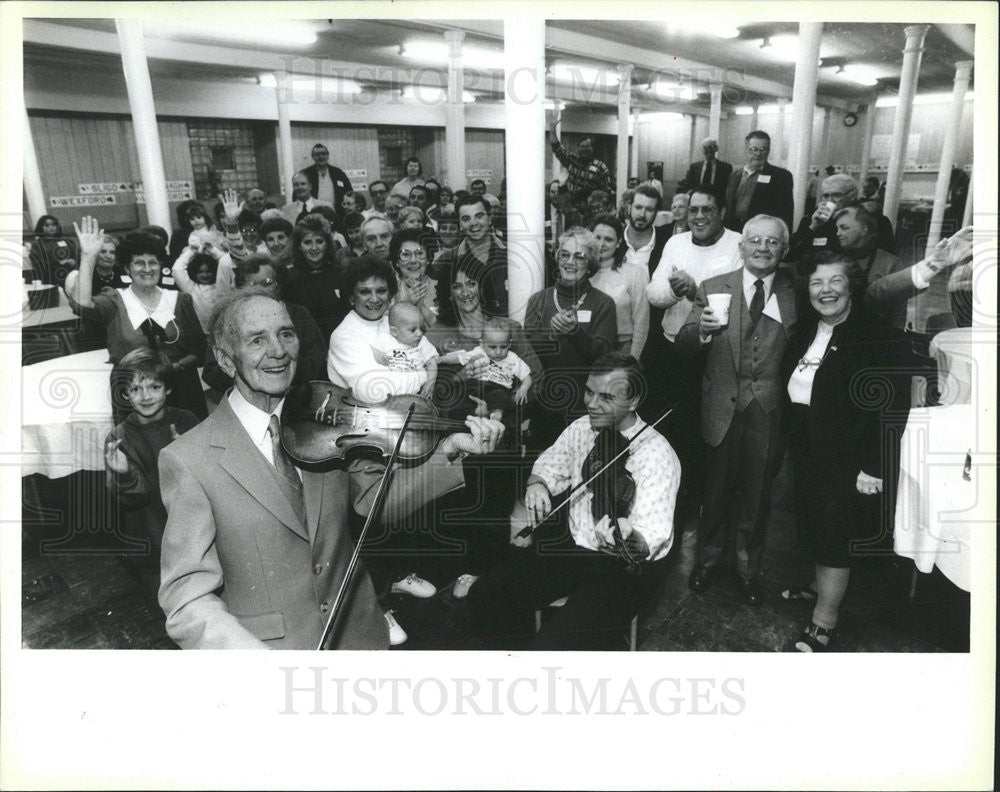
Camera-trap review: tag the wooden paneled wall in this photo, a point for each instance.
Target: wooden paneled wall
(77, 149)
(351, 147)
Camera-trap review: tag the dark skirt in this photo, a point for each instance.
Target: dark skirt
(833, 518)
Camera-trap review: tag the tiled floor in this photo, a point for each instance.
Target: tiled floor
(99, 600)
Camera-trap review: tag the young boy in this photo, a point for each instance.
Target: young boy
(504, 370)
(406, 348)
(133, 447)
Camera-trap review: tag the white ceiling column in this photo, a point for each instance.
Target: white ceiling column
(867, 134)
(147, 135)
(912, 54)
(803, 106)
(33, 189)
(823, 157)
(454, 129)
(624, 107)
(524, 67)
(715, 114)
(286, 159)
(634, 170)
(963, 70)
(778, 145)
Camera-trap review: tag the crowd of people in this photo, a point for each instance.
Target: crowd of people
(750, 336)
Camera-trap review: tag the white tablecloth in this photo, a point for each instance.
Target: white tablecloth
(65, 414)
(939, 510)
(953, 350)
(57, 313)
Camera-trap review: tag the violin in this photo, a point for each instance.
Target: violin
(612, 487)
(322, 424)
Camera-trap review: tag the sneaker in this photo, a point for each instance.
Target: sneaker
(414, 586)
(397, 635)
(462, 586)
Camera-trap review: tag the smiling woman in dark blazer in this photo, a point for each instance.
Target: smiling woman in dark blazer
(847, 383)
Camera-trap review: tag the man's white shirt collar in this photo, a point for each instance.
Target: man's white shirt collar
(255, 421)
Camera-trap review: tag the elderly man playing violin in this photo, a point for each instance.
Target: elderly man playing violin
(618, 524)
(255, 549)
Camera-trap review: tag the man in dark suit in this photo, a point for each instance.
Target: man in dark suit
(742, 397)
(255, 550)
(326, 182)
(710, 171)
(758, 187)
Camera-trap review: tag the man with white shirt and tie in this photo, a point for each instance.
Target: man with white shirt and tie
(742, 397)
(688, 259)
(255, 550)
(302, 202)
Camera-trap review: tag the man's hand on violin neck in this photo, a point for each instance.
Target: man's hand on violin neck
(537, 502)
(483, 436)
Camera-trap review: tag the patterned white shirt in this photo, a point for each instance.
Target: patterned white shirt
(654, 467)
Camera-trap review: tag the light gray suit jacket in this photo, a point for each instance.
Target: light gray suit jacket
(239, 569)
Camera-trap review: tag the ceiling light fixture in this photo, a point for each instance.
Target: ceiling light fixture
(861, 75)
(436, 52)
(245, 31)
(677, 91)
(589, 77)
(706, 27)
(432, 94)
(784, 47)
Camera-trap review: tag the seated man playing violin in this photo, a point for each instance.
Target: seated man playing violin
(619, 525)
(255, 549)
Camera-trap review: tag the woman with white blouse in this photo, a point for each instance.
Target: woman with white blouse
(624, 283)
(849, 390)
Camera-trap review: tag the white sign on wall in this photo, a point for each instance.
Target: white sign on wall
(172, 195)
(360, 173)
(102, 199)
(486, 174)
(105, 187)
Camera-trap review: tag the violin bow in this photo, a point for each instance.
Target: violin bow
(380, 494)
(528, 530)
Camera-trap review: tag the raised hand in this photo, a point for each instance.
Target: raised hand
(114, 458)
(230, 205)
(91, 236)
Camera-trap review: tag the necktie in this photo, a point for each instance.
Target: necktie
(757, 303)
(303, 213)
(707, 178)
(282, 463)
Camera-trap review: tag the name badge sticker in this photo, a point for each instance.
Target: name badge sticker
(764, 179)
(583, 317)
(819, 242)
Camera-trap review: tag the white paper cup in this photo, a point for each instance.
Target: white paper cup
(719, 303)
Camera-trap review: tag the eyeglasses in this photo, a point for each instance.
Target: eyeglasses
(705, 210)
(832, 196)
(411, 255)
(770, 242)
(265, 282)
(758, 149)
(564, 257)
